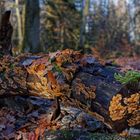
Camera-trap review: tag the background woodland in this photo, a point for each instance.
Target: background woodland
(109, 28)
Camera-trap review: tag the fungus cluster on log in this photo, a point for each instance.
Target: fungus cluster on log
(126, 108)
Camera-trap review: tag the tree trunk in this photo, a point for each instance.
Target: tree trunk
(78, 80)
(1, 9)
(85, 9)
(6, 31)
(32, 25)
(20, 35)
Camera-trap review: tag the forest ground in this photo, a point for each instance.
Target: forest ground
(129, 63)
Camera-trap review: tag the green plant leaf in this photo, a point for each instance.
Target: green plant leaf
(129, 76)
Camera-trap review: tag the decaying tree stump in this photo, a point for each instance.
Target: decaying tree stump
(78, 80)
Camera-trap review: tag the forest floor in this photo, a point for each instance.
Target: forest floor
(128, 63)
(24, 118)
(20, 120)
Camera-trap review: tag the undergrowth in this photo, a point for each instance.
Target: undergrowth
(128, 77)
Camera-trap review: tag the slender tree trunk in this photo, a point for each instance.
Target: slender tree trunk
(20, 35)
(1, 9)
(62, 35)
(85, 9)
(32, 25)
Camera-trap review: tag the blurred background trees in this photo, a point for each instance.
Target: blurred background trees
(60, 25)
(2, 3)
(109, 27)
(31, 42)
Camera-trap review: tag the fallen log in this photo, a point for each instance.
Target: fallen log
(77, 79)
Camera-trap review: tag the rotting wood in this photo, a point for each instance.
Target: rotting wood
(77, 79)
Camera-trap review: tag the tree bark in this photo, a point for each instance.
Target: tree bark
(78, 80)
(20, 34)
(2, 8)
(85, 10)
(6, 31)
(32, 25)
